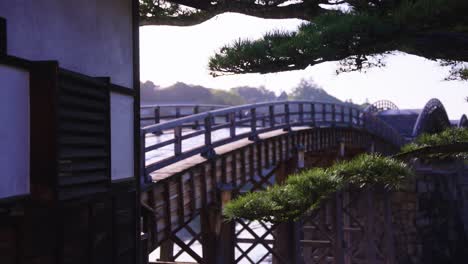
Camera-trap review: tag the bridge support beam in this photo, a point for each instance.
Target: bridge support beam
(285, 245)
(167, 251)
(218, 234)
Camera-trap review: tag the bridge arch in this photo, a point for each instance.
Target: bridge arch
(381, 105)
(432, 119)
(463, 122)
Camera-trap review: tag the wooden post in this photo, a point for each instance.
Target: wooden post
(287, 239)
(196, 110)
(157, 119)
(209, 153)
(253, 124)
(287, 117)
(157, 114)
(209, 229)
(226, 237)
(342, 148)
(218, 235)
(178, 141)
(167, 251)
(333, 112)
(358, 118)
(324, 112)
(301, 113)
(312, 114)
(232, 125)
(342, 114)
(271, 112)
(372, 147)
(300, 156)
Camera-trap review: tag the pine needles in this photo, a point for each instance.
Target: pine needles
(447, 137)
(307, 190)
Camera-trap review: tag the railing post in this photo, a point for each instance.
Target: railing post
(232, 124)
(333, 109)
(177, 112)
(350, 116)
(157, 114)
(209, 152)
(312, 114)
(196, 110)
(287, 117)
(271, 112)
(301, 113)
(178, 140)
(253, 124)
(324, 112)
(342, 114)
(157, 119)
(361, 122)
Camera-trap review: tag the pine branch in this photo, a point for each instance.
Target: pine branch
(205, 11)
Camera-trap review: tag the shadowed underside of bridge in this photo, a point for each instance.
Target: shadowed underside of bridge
(189, 174)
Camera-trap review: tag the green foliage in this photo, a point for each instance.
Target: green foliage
(446, 137)
(434, 29)
(307, 190)
(331, 37)
(354, 38)
(428, 13)
(464, 74)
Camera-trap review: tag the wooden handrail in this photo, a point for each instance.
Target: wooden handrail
(278, 115)
(159, 112)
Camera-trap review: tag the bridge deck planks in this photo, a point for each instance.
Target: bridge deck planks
(183, 165)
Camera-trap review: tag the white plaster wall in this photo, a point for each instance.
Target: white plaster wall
(93, 37)
(121, 136)
(14, 132)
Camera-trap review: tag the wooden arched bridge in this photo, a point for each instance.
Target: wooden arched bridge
(195, 164)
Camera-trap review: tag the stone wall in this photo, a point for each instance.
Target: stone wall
(430, 215)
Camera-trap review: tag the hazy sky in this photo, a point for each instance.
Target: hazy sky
(171, 54)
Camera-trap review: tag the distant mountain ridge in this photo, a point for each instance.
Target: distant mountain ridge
(196, 94)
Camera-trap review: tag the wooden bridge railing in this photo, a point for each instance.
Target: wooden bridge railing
(155, 114)
(248, 121)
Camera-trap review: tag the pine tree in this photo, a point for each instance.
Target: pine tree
(354, 32)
